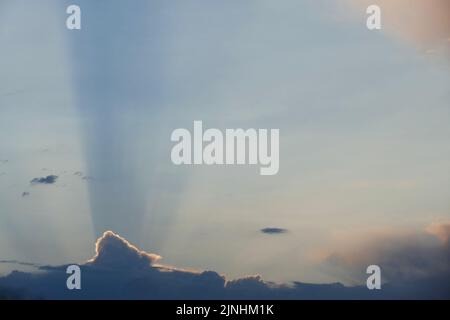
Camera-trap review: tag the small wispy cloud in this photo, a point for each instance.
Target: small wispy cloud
(44, 180)
(21, 263)
(272, 230)
(82, 176)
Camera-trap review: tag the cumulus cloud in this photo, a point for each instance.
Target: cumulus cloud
(44, 180)
(119, 270)
(113, 250)
(271, 230)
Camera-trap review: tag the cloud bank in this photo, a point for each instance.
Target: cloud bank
(119, 270)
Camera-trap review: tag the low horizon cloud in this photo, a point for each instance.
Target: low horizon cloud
(119, 270)
(402, 257)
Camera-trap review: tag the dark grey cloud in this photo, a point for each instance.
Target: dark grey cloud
(45, 180)
(271, 230)
(10, 294)
(25, 194)
(119, 270)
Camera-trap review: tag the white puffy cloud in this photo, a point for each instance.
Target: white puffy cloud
(111, 250)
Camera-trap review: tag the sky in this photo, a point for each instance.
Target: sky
(363, 118)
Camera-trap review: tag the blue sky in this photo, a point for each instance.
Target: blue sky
(363, 118)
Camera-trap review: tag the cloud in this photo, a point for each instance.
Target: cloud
(113, 250)
(119, 270)
(8, 294)
(402, 257)
(426, 23)
(11, 93)
(21, 263)
(271, 230)
(82, 176)
(25, 194)
(45, 180)
(440, 230)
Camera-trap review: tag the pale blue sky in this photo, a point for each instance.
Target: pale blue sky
(363, 116)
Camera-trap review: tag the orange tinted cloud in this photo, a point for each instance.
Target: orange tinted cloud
(401, 255)
(111, 248)
(426, 23)
(440, 230)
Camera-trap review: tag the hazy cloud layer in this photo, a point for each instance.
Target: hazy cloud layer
(425, 23)
(121, 271)
(404, 257)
